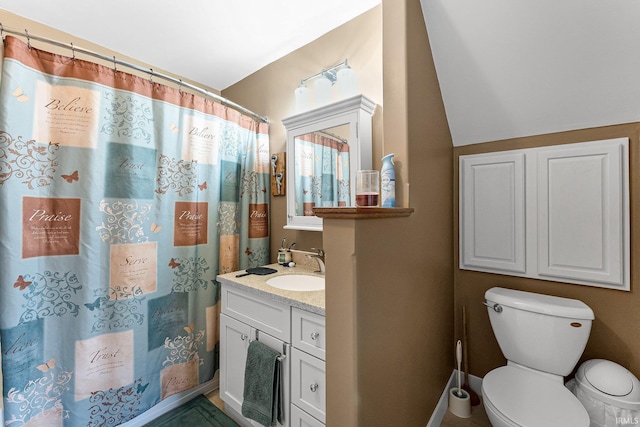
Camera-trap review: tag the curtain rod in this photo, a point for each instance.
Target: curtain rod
(115, 62)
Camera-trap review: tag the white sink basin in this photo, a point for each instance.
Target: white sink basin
(297, 282)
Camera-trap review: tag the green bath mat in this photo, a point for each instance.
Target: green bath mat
(196, 412)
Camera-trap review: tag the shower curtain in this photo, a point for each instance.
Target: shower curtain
(121, 199)
(322, 169)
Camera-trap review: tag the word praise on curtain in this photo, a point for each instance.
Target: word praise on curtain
(121, 199)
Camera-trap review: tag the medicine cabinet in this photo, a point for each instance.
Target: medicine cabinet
(326, 146)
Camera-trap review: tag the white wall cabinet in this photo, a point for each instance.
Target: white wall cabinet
(492, 221)
(247, 316)
(558, 213)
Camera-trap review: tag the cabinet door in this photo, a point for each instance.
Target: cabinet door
(235, 337)
(234, 343)
(299, 418)
(492, 222)
(581, 212)
(308, 384)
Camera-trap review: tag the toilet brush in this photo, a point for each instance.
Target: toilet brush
(475, 399)
(459, 402)
(459, 360)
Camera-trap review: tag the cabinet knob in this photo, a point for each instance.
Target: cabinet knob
(315, 335)
(313, 387)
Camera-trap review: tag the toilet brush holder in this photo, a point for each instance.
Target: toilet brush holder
(459, 403)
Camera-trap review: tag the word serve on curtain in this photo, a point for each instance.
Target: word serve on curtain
(121, 199)
(322, 172)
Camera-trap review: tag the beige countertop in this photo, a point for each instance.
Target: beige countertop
(312, 301)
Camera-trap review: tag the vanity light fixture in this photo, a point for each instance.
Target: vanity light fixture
(340, 76)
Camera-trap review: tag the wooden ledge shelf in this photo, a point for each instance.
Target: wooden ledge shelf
(361, 213)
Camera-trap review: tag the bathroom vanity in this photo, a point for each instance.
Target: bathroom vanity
(290, 322)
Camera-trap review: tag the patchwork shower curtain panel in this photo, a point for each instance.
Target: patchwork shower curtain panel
(121, 199)
(322, 168)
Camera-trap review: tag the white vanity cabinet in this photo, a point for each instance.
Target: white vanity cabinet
(557, 213)
(247, 317)
(298, 334)
(308, 372)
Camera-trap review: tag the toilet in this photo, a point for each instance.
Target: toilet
(542, 338)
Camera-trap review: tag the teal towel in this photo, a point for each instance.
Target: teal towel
(261, 395)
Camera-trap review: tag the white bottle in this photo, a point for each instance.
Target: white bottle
(388, 181)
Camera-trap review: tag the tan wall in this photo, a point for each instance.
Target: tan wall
(615, 331)
(390, 281)
(270, 92)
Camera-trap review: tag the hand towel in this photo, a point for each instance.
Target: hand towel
(261, 394)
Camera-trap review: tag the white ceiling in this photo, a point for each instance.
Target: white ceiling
(213, 42)
(515, 68)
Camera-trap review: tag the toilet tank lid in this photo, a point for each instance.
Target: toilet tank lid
(538, 303)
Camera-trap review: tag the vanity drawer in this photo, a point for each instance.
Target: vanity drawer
(268, 316)
(308, 384)
(299, 418)
(308, 332)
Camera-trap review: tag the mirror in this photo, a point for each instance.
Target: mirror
(326, 146)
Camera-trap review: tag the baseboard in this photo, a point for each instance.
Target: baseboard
(443, 404)
(172, 402)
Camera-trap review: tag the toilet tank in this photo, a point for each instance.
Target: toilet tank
(542, 332)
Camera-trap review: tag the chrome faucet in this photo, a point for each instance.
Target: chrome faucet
(319, 256)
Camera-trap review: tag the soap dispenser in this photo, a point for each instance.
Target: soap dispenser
(388, 181)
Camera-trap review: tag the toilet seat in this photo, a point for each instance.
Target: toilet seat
(528, 399)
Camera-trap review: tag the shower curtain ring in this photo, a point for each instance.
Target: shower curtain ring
(115, 68)
(151, 75)
(180, 86)
(28, 39)
(1, 30)
(73, 52)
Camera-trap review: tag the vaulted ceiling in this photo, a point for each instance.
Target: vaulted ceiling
(511, 68)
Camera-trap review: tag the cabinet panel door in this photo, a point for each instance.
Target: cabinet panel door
(299, 418)
(492, 226)
(235, 337)
(234, 343)
(308, 384)
(581, 200)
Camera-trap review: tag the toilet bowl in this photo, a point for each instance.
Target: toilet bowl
(516, 397)
(542, 338)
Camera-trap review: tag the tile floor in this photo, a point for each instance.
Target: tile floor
(478, 415)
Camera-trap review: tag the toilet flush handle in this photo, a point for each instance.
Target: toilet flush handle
(496, 307)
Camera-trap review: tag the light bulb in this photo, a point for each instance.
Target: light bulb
(303, 102)
(322, 90)
(347, 83)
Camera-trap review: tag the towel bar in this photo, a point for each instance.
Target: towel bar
(284, 347)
